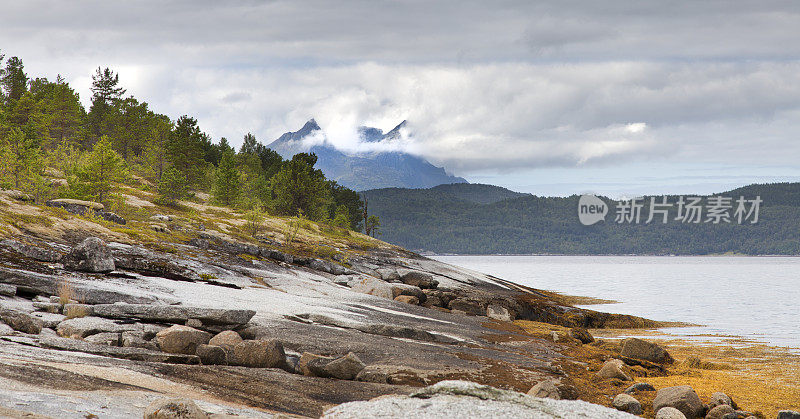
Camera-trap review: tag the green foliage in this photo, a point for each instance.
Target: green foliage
(342, 217)
(14, 80)
(373, 226)
(100, 170)
(300, 187)
(171, 186)
(253, 220)
(226, 185)
(19, 158)
(184, 149)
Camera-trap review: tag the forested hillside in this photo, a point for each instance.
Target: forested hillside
(441, 221)
(52, 147)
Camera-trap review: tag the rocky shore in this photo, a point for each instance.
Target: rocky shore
(176, 312)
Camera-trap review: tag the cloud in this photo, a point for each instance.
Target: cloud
(485, 86)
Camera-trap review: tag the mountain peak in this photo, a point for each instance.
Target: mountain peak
(395, 132)
(310, 125)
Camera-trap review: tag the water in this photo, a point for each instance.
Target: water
(757, 298)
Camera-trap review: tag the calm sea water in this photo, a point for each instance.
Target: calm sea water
(753, 297)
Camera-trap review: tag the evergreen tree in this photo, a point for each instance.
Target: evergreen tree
(300, 187)
(184, 149)
(105, 95)
(226, 184)
(342, 217)
(171, 186)
(63, 110)
(154, 156)
(373, 225)
(249, 145)
(20, 158)
(102, 168)
(14, 80)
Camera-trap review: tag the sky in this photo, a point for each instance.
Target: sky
(548, 97)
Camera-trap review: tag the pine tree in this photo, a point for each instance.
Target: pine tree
(373, 225)
(21, 157)
(298, 186)
(227, 184)
(185, 149)
(342, 217)
(14, 80)
(105, 95)
(172, 186)
(102, 168)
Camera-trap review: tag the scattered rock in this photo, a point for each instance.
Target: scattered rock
(635, 348)
(50, 320)
(6, 330)
(212, 355)
(720, 411)
(226, 340)
(405, 289)
(788, 414)
(682, 398)
(173, 314)
(613, 368)
(344, 368)
(105, 338)
(372, 286)
(258, 354)
(498, 312)
(135, 339)
(76, 206)
(196, 323)
(626, 403)
(174, 409)
(179, 339)
(638, 387)
(719, 398)
(305, 358)
(162, 218)
(418, 279)
(467, 306)
(110, 216)
(669, 413)
(82, 327)
(545, 389)
(20, 321)
(135, 354)
(91, 255)
(33, 252)
(19, 196)
(581, 334)
(47, 307)
(388, 274)
(408, 299)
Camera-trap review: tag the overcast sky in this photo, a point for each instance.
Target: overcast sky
(557, 97)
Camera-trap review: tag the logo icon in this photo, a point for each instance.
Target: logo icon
(591, 210)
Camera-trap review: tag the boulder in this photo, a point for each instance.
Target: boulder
(388, 274)
(212, 355)
(76, 206)
(305, 358)
(82, 327)
(627, 403)
(498, 312)
(226, 340)
(418, 279)
(173, 314)
(639, 387)
(136, 339)
(111, 217)
(467, 306)
(50, 320)
(258, 354)
(105, 338)
(719, 412)
(634, 348)
(6, 330)
(788, 414)
(581, 334)
(179, 339)
(408, 299)
(682, 398)
(720, 398)
(21, 321)
(344, 368)
(33, 252)
(399, 289)
(17, 195)
(613, 368)
(91, 255)
(174, 409)
(371, 286)
(545, 389)
(669, 413)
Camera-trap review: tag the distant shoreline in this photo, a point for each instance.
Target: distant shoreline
(428, 254)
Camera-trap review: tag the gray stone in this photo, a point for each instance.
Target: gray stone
(581, 334)
(76, 206)
(47, 307)
(91, 255)
(682, 398)
(720, 398)
(135, 339)
(196, 323)
(258, 354)
(669, 413)
(33, 252)
(212, 355)
(6, 330)
(627, 403)
(85, 326)
(719, 412)
(8, 290)
(174, 409)
(226, 340)
(134, 354)
(344, 368)
(173, 314)
(371, 286)
(418, 279)
(467, 306)
(110, 216)
(405, 289)
(788, 414)
(78, 310)
(105, 338)
(408, 299)
(613, 368)
(179, 339)
(639, 387)
(462, 399)
(498, 312)
(641, 349)
(21, 321)
(545, 389)
(388, 274)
